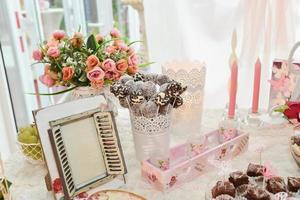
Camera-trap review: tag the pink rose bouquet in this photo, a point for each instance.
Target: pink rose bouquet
(74, 61)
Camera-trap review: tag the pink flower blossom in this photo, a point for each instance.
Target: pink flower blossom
(132, 69)
(37, 55)
(108, 65)
(133, 59)
(95, 74)
(99, 38)
(52, 43)
(120, 45)
(53, 52)
(91, 62)
(115, 33)
(112, 75)
(110, 50)
(68, 73)
(58, 34)
(122, 65)
(47, 80)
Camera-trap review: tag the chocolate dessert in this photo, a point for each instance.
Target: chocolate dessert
(276, 185)
(223, 187)
(255, 170)
(296, 140)
(293, 184)
(255, 193)
(238, 178)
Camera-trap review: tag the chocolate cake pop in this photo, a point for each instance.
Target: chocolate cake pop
(139, 77)
(136, 97)
(149, 109)
(162, 79)
(149, 89)
(162, 99)
(176, 101)
(125, 78)
(175, 89)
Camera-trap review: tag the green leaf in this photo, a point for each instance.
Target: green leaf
(131, 43)
(281, 109)
(146, 64)
(91, 43)
(55, 93)
(108, 82)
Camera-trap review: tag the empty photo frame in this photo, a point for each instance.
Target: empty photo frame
(82, 149)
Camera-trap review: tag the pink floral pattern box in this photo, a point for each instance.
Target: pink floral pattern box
(282, 82)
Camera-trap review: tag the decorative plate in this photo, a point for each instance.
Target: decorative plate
(115, 195)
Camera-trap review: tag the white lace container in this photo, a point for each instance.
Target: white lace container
(187, 118)
(85, 92)
(152, 138)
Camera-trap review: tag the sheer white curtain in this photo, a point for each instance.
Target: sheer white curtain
(202, 29)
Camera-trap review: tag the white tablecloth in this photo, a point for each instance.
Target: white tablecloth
(28, 179)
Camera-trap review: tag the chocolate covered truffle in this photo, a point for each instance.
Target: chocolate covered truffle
(238, 178)
(276, 185)
(255, 193)
(255, 170)
(293, 184)
(223, 187)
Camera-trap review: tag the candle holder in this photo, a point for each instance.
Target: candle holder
(237, 113)
(228, 129)
(253, 119)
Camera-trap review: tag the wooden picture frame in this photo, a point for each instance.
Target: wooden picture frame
(81, 146)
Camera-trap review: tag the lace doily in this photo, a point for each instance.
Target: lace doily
(189, 73)
(150, 126)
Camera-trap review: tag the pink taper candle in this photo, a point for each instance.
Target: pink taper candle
(256, 86)
(233, 90)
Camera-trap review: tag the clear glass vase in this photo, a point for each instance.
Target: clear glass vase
(85, 92)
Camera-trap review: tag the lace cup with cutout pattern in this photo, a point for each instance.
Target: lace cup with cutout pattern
(191, 74)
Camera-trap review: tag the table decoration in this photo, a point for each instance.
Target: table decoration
(253, 117)
(191, 74)
(185, 167)
(80, 160)
(285, 80)
(72, 62)
(150, 99)
(229, 125)
(30, 145)
(259, 182)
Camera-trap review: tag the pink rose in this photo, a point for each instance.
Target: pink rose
(110, 50)
(130, 51)
(58, 34)
(47, 71)
(97, 84)
(115, 33)
(95, 74)
(37, 55)
(47, 80)
(53, 52)
(52, 43)
(77, 39)
(133, 59)
(122, 65)
(112, 75)
(132, 69)
(68, 73)
(99, 38)
(120, 45)
(91, 62)
(109, 65)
